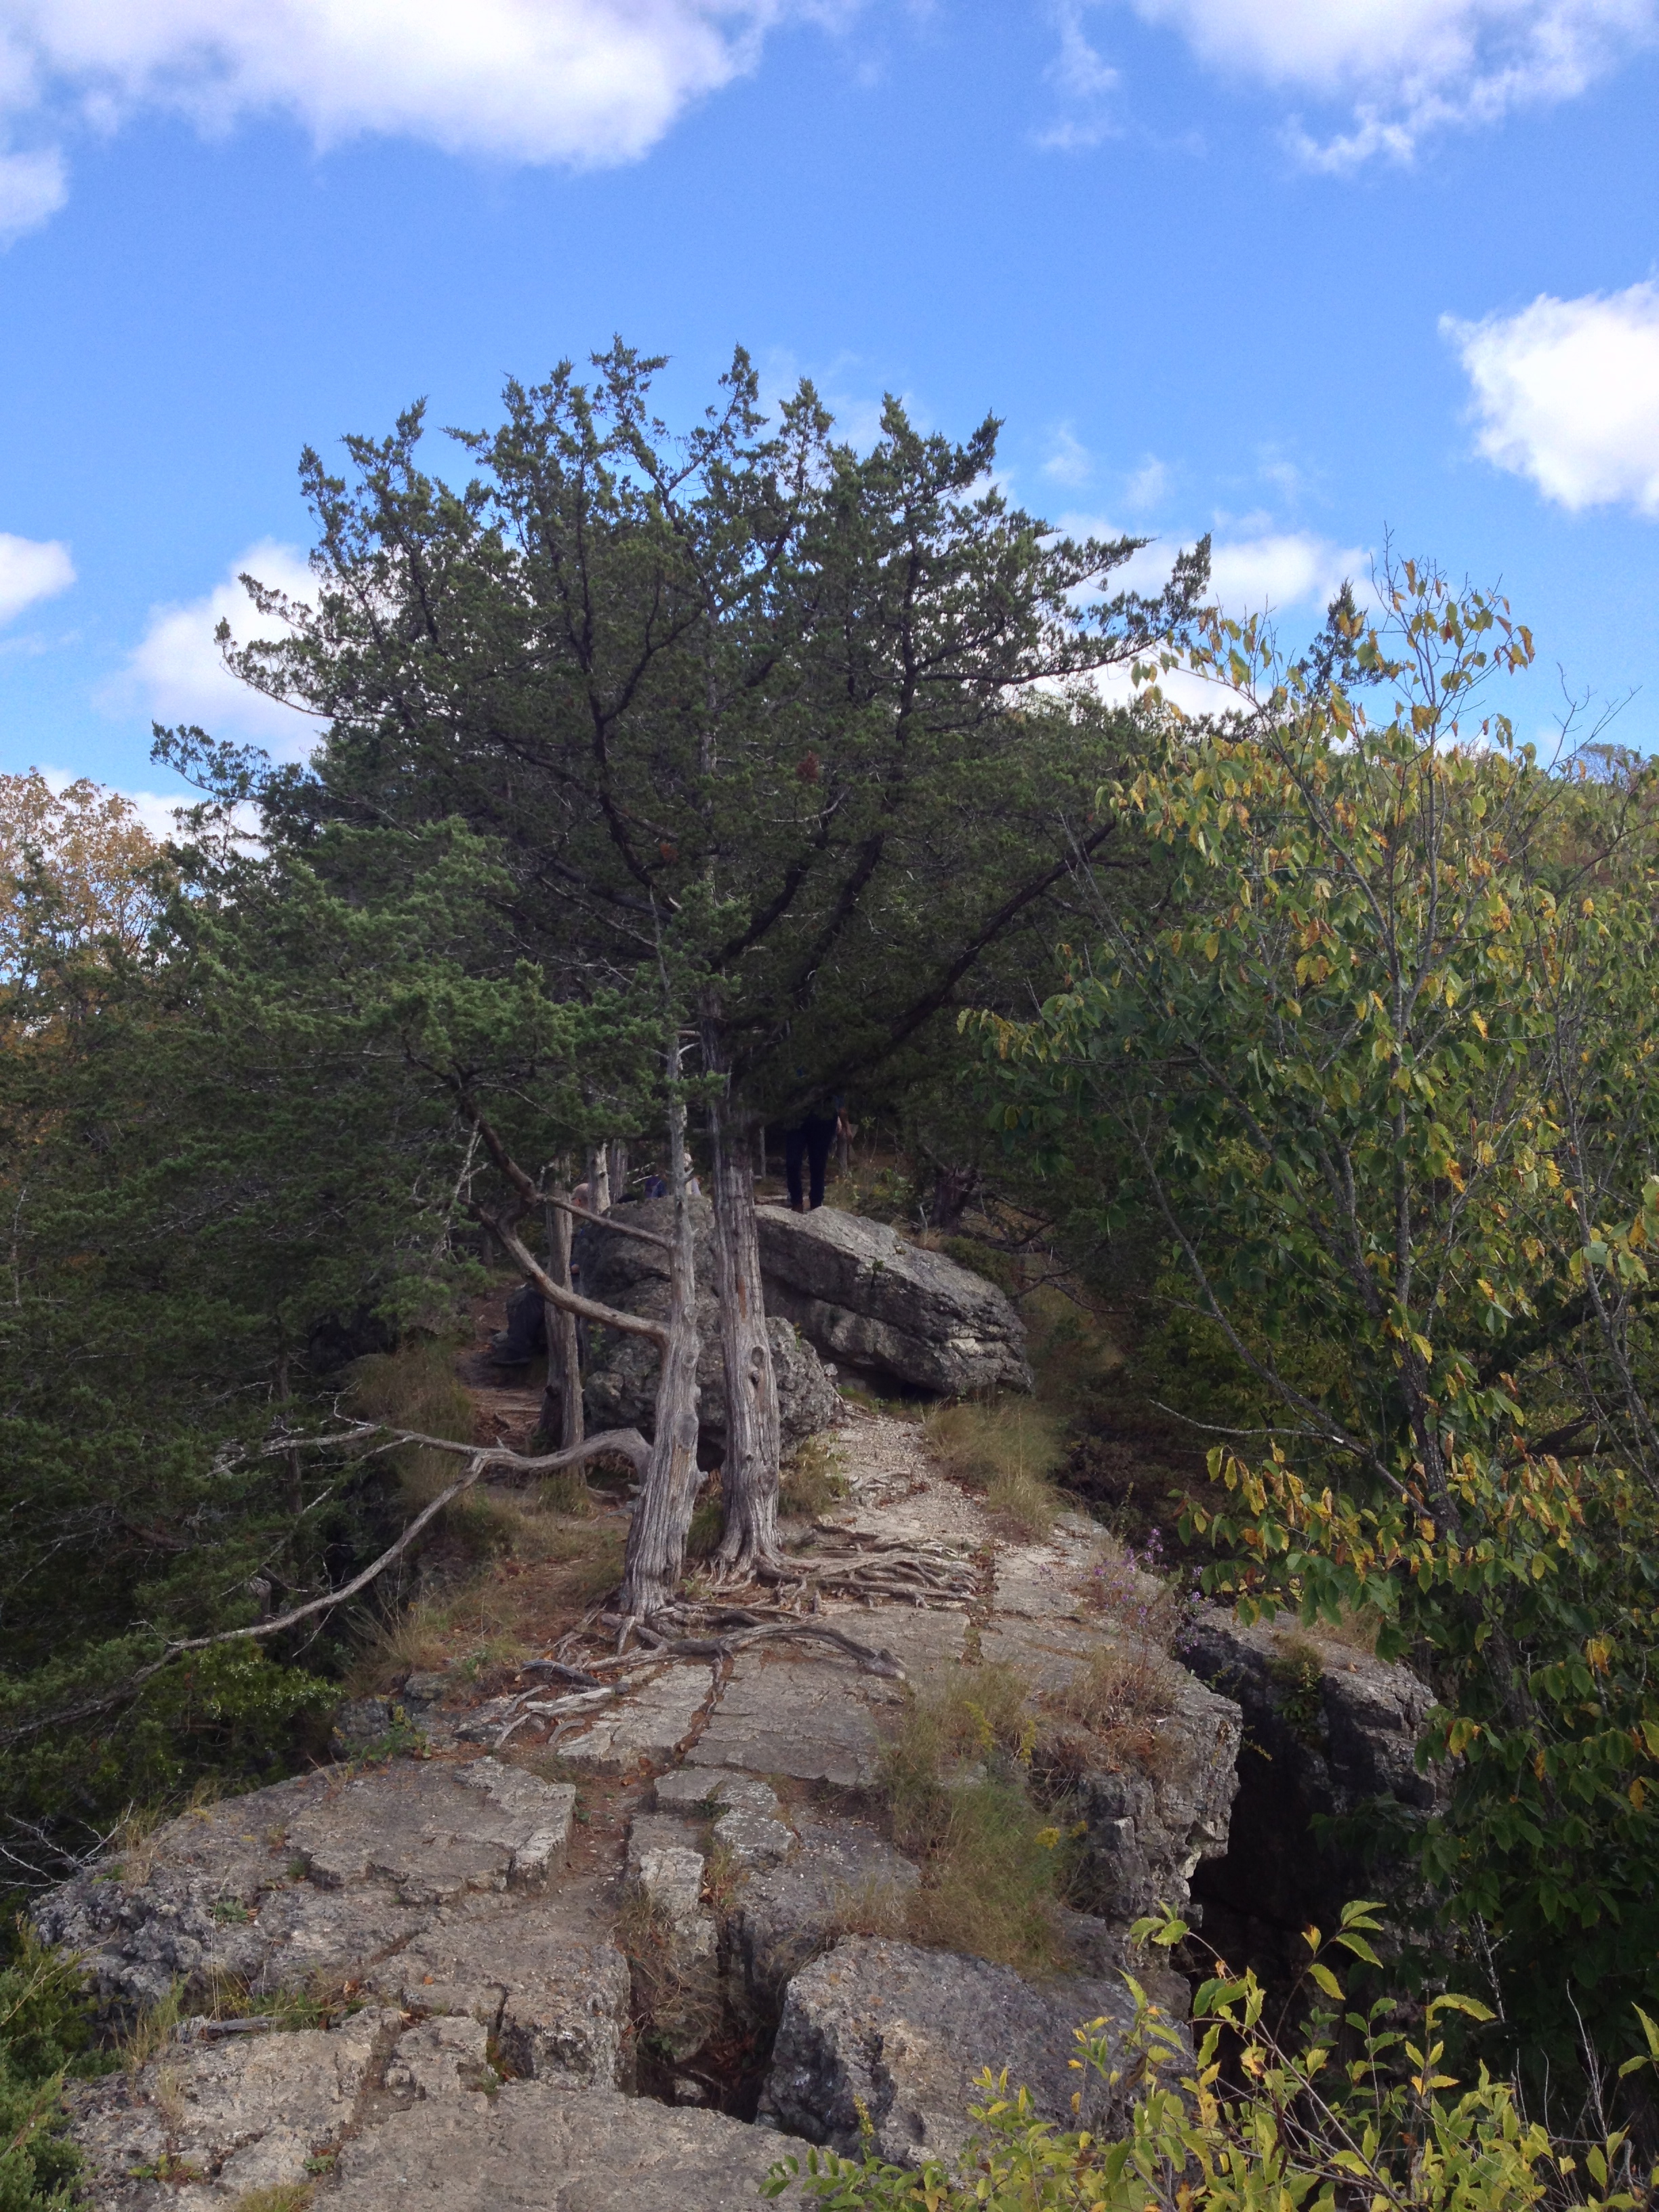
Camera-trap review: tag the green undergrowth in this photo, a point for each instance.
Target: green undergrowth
(1362, 2111)
(45, 2034)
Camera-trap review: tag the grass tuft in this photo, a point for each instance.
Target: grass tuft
(991, 1863)
(1111, 1707)
(416, 1387)
(1008, 1450)
(811, 1482)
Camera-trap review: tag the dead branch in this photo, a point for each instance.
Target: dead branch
(556, 1294)
(627, 1441)
(610, 1221)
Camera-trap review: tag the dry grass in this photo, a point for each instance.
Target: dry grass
(1008, 1450)
(1110, 1710)
(677, 2011)
(873, 1908)
(724, 1874)
(134, 1845)
(543, 1571)
(956, 1782)
(167, 2095)
(1358, 1629)
(285, 2197)
(810, 1480)
(153, 2030)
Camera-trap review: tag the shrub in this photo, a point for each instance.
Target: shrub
(1356, 2116)
(44, 2029)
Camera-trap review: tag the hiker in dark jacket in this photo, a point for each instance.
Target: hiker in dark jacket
(808, 1146)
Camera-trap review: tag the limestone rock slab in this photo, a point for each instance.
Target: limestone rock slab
(808, 1718)
(434, 1831)
(645, 1728)
(752, 1840)
(842, 1873)
(901, 2033)
(533, 2149)
(700, 1790)
(544, 1978)
(204, 2123)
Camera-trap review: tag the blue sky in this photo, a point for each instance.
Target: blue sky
(1300, 272)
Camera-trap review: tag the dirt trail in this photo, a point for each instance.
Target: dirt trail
(508, 1401)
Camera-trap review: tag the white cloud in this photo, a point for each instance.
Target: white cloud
(1262, 570)
(32, 187)
(31, 569)
(1567, 392)
(1146, 486)
(1071, 462)
(583, 82)
(1291, 568)
(1084, 82)
(1402, 67)
(176, 674)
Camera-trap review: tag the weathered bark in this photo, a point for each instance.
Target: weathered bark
(618, 1167)
(655, 1558)
(749, 1479)
(562, 1401)
(598, 1179)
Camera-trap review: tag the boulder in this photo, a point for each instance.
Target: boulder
(619, 1384)
(862, 1296)
(883, 2029)
(1330, 1733)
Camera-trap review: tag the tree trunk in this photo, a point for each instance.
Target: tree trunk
(953, 1190)
(617, 1165)
(598, 1179)
(561, 1420)
(749, 1478)
(656, 1539)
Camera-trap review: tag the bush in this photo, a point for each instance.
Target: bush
(44, 2029)
(1355, 2116)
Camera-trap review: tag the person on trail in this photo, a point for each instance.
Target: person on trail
(525, 1334)
(808, 1146)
